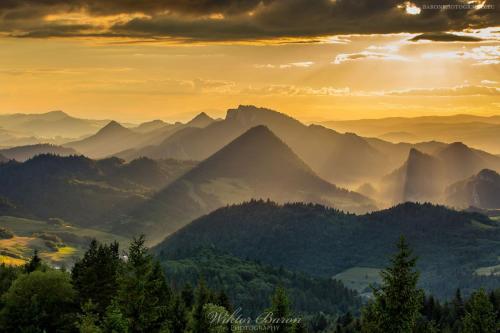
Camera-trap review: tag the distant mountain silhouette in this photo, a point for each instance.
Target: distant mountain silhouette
(424, 177)
(150, 126)
(201, 120)
(475, 131)
(81, 190)
(420, 179)
(255, 165)
(110, 139)
(339, 158)
(3, 159)
(461, 161)
(23, 153)
(481, 191)
(325, 242)
(50, 124)
(152, 144)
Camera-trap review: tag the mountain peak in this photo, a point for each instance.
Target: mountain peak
(457, 147)
(489, 175)
(112, 126)
(250, 115)
(247, 109)
(56, 112)
(256, 154)
(55, 115)
(201, 120)
(414, 152)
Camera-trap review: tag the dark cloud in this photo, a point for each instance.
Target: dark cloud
(215, 20)
(445, 37)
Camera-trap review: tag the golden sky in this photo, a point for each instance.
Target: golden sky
(324, 60)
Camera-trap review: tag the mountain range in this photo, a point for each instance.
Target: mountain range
(255, 165)
(475, 131)
(259, 189)
(327, 152)
(115, 139)
(49, 125)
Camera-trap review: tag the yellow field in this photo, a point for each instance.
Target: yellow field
(11, 261)
(18, 249)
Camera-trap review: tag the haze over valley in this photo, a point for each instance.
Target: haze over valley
(291, 166)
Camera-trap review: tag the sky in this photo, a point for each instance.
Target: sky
(313, 59)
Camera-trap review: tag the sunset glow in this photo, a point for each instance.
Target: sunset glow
(92, 61)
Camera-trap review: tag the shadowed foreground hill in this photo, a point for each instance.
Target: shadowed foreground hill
(81, 190)
(325, 242)
(248, 283)
(255, 165)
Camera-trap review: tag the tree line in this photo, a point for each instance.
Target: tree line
(399, 306)
(106, 292)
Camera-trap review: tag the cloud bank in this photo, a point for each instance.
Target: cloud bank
(233, 20)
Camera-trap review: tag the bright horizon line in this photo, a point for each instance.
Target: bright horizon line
(209, 113)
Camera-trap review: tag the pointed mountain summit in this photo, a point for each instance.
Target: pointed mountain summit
(113, 128)
(257, 156)
(201, 120)
(256, 165)
(481, 191)
(110, 139)
(418, 180)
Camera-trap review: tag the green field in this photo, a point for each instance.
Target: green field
(359, 278)
(58, 243)
(486, 271)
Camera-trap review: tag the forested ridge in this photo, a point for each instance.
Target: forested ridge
(322, 241)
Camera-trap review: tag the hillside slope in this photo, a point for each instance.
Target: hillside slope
(325, 242)
(79, 189)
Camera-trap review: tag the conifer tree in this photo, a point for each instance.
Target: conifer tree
(114, 321)
(34, 263)
(95, 276)
(144, 293)
(200, 323)
(479, 315)
(188, 295)
(89, 321)
(280, 309)
(179, 319)
(397, 302)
